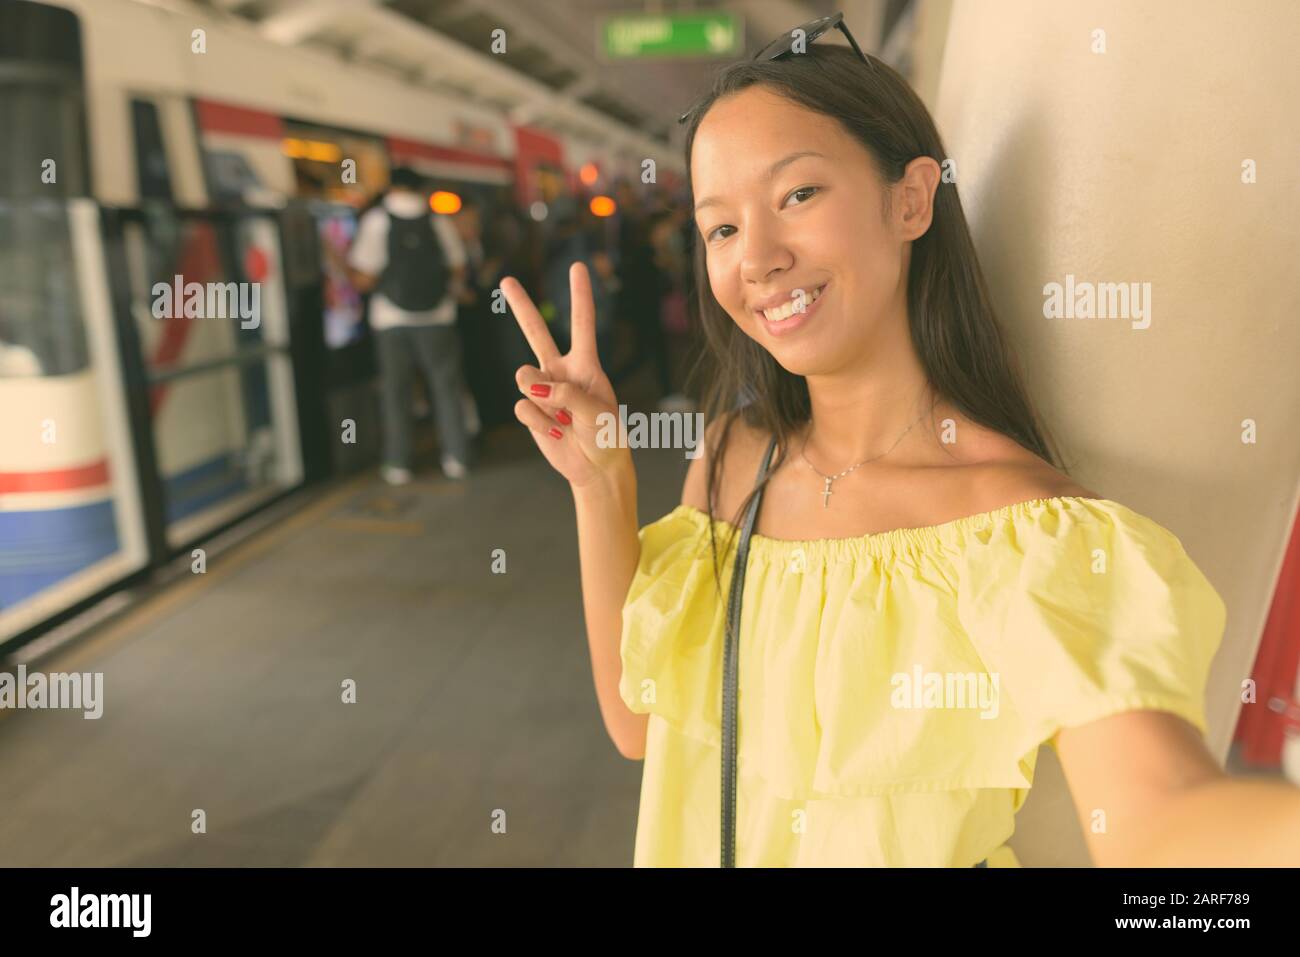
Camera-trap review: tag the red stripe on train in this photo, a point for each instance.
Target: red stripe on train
(55, 480)
(214, 117)
(414, 149)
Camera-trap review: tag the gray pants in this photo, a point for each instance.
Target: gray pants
(437, 351)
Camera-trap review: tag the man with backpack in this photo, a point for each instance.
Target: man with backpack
(414, 261)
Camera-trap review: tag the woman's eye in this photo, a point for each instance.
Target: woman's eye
(804, 189)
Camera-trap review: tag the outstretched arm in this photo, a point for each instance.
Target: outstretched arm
(1164, 801)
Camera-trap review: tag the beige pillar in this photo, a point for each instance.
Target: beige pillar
(1116, 142)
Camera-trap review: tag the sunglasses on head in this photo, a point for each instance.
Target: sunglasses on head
(809, 32)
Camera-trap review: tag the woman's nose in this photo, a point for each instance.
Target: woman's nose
(762, 252)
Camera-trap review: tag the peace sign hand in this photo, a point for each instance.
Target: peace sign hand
(568, 393)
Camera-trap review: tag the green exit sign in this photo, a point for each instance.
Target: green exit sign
(671, 35)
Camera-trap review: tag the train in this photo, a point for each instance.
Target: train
(152, 139)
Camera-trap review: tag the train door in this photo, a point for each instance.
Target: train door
(70, 518)
(208, 308)
(337, 173)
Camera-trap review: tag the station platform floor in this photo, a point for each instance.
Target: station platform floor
(223, 692)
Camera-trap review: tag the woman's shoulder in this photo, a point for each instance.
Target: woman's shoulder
(741, 456)
(988, 471)
(1020, 476)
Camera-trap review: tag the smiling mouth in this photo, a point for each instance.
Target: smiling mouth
(782, 313)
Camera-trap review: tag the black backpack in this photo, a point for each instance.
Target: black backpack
(416, 276)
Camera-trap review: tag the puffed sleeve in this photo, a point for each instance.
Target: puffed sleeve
(671, 662)
(1084, 608)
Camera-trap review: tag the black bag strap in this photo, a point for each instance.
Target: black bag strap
(731, 670)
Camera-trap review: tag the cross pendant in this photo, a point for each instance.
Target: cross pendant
(826, 494)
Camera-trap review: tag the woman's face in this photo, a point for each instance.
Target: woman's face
(811, 223)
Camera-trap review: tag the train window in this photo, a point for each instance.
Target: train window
(41, 331)
(335, 166)
(42, 148)
(230, 177)
(152, 175)
(41, 155)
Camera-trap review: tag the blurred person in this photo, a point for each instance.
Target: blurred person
(508, 248)
(670, 254)
(628, 200)
(596, 234)
(414, 261)
(468, 221)
(670, 245)
(644, 283)
(486, 375)
(574, 241)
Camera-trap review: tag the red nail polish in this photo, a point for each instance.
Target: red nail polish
(564, 417)
(540, 389)
(555, 433)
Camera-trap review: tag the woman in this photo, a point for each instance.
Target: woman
(914, 540)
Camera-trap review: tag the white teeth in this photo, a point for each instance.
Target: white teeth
(788, 310)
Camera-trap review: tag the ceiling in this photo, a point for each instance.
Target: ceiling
(552, 73)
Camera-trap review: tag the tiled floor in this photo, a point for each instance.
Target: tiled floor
(224, 694)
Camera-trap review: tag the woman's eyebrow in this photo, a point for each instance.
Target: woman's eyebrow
(772, 171)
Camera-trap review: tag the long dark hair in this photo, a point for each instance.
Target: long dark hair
(957, 338)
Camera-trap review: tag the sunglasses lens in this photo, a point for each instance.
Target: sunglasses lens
(812, 31)
(777, 48)
(817, 28)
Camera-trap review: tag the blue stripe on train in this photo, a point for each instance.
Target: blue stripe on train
(204, 485)
(40, 548)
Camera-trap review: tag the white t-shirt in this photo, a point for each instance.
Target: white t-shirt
(369, 254)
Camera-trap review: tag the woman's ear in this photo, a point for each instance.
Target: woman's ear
(916, 193)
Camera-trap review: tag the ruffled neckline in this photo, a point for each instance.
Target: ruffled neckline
(899, 539)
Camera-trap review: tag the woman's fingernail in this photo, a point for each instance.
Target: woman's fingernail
(540, 388)
(564, 417)
(555, 433)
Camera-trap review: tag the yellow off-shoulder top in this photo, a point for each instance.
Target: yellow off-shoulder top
(895, 687)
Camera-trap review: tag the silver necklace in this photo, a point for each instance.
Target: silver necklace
(828, 479)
